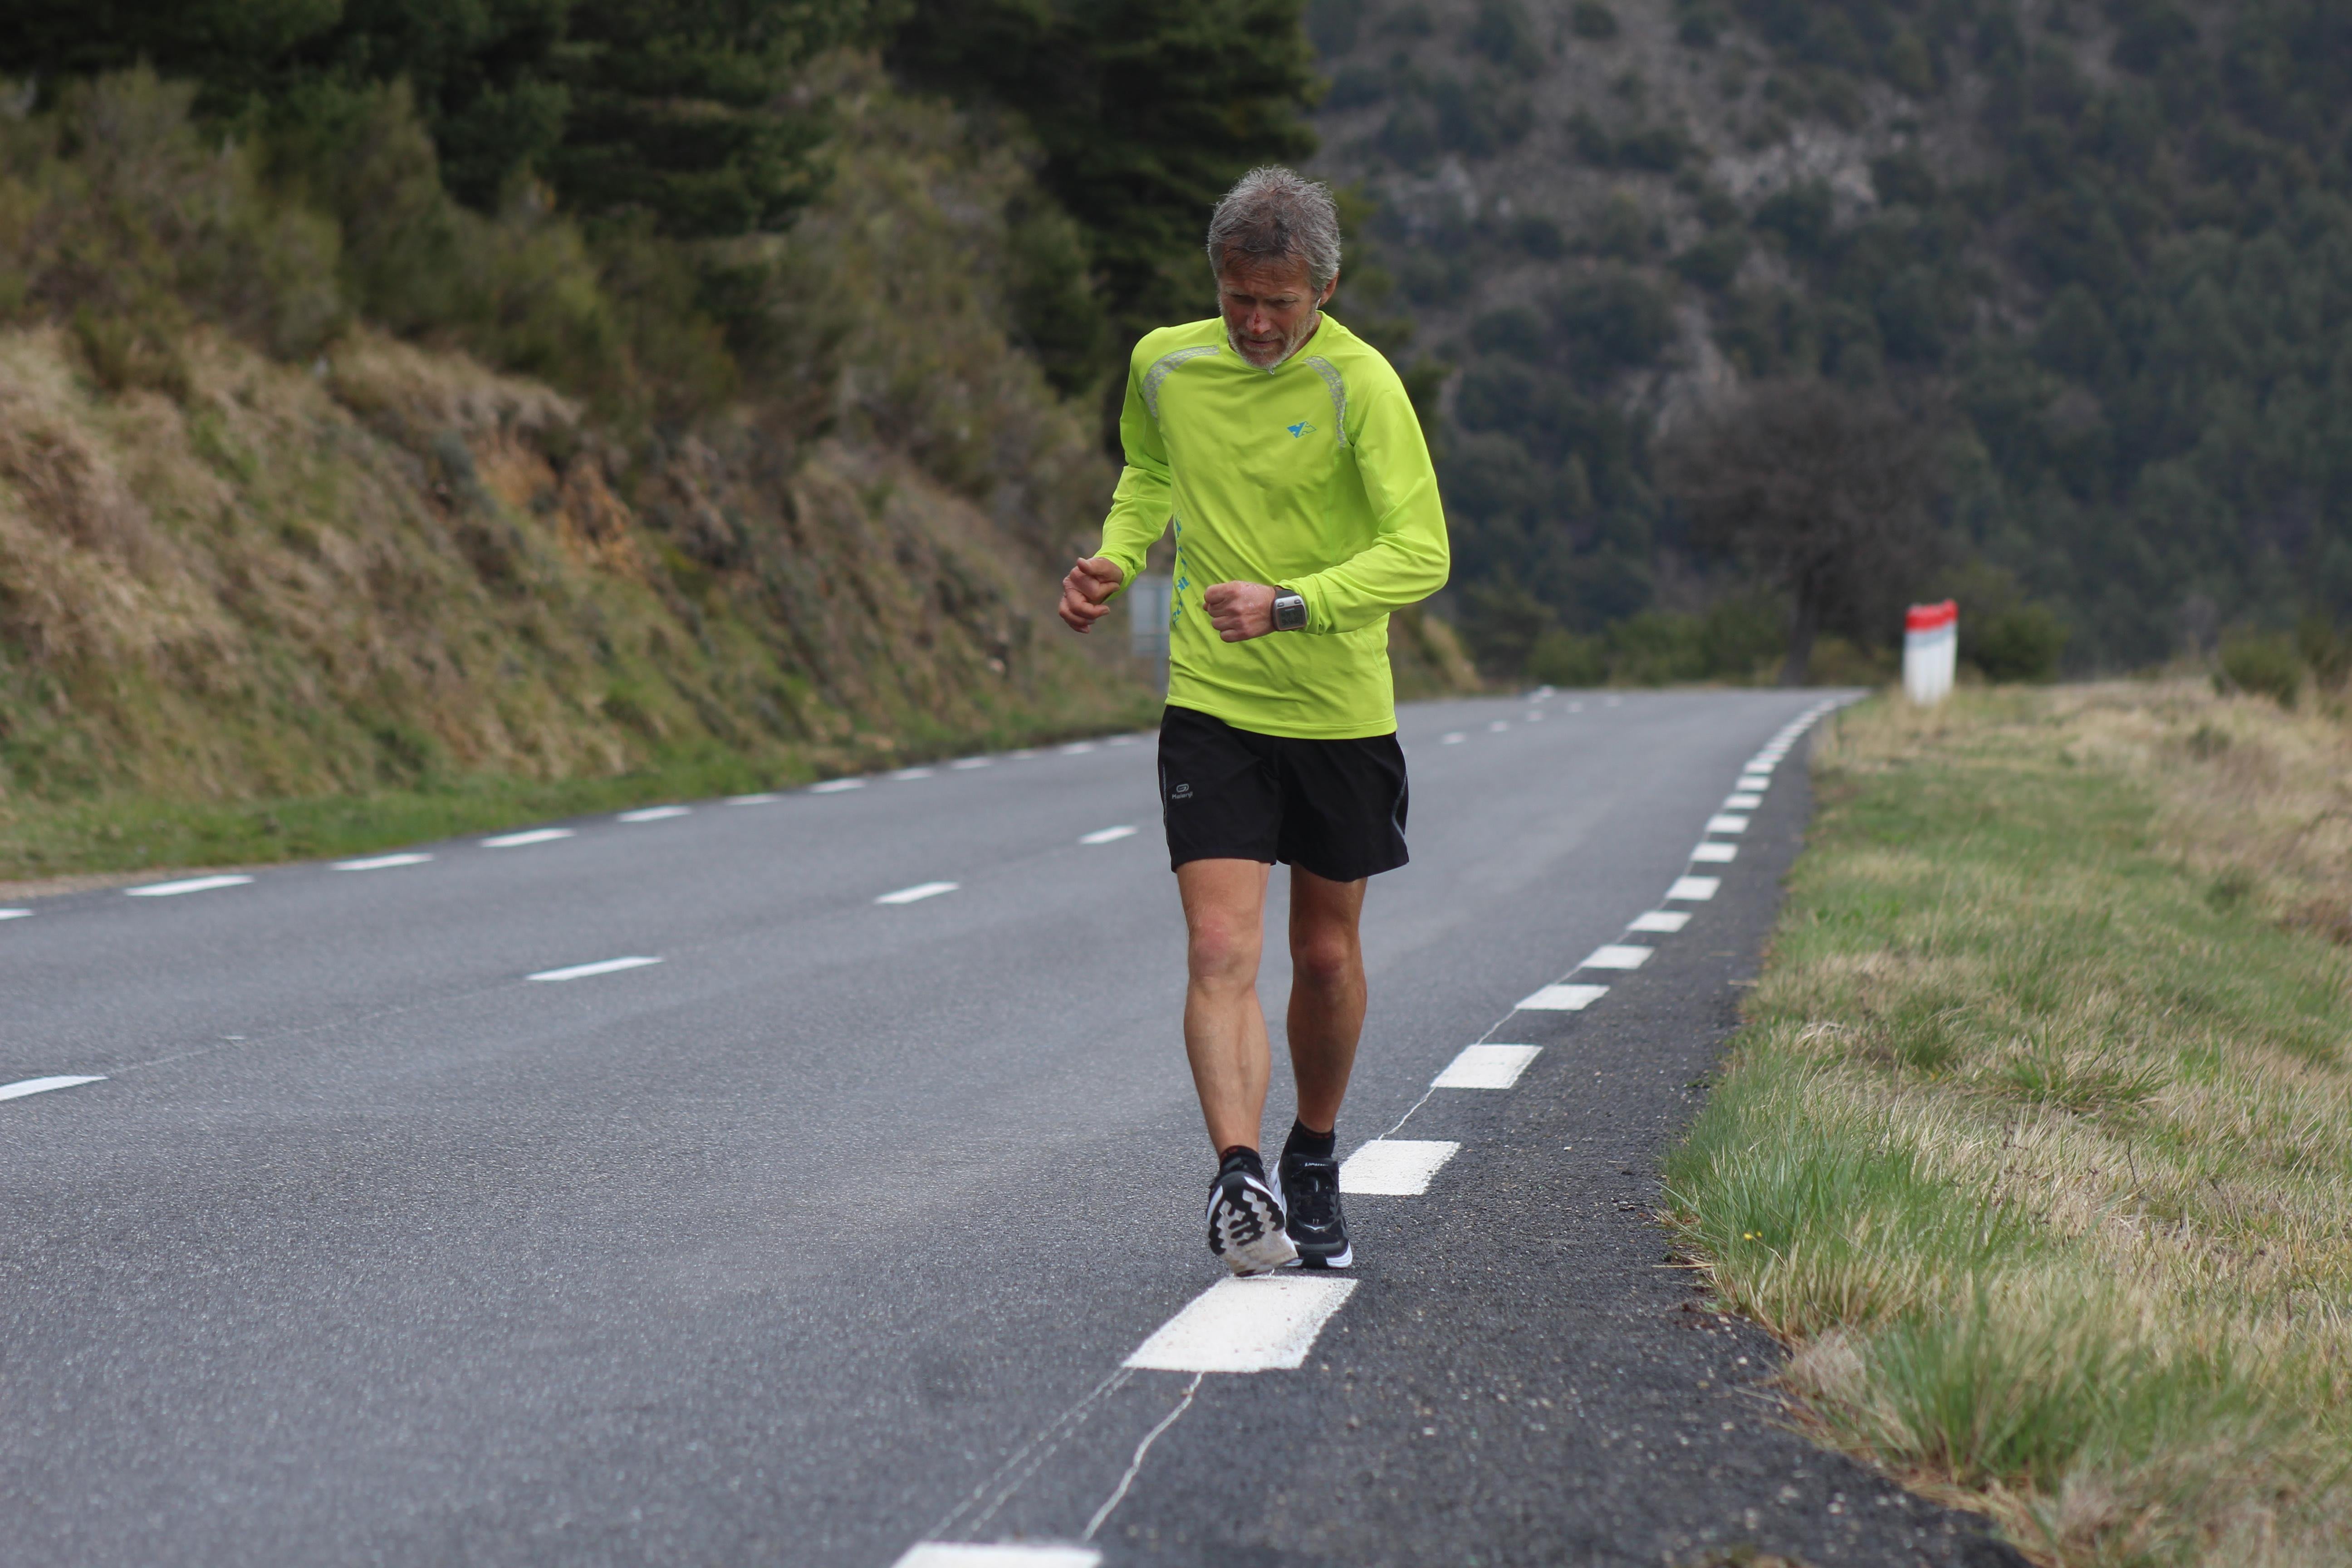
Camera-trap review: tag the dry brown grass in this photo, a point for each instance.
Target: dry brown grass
(2039, 1146)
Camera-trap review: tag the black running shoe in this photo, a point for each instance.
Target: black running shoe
(1311, 1201)
(1245, 1223)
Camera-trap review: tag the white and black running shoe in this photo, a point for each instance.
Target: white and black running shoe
(1245, 1222)
(1310, 1203)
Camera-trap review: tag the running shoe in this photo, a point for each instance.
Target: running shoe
(1245, 1223)
(1311, 1201)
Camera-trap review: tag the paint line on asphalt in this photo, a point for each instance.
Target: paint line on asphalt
(908, 775)
(1716, 854)
(656, 814)
(1107, 835)
(763, 798)
(604, 966)
(192, 885)
(965, 764)
(1264, 1324)
(1561, 999)
(1533, 717)
(1395, 1167)
(1121, 740)
(1724, 823)
(24, 1086)
(1617, 956)
(1698, 889)
(1661, 919)
(1498, 726)
(1077, 748)
(536, 836)
(382, 862)
(834, 787)
(1742, 802)
(997, 1554)
(1486, 1067)
(920, 891)
(1453, 739)
(15, 914)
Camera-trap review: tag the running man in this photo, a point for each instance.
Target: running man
(1284, 450)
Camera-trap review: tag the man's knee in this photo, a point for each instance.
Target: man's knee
(1223, 952)
(1328, 959)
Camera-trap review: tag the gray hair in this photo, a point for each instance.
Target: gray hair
(1273, 213)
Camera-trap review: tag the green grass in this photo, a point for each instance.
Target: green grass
(128, 832)
(2036, 1149)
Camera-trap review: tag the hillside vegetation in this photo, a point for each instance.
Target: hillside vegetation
(2104, 246)
(353, 486)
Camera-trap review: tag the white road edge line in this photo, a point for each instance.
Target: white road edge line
(834, 787)
(1716, 854)
(382, 862)
(918, 891)
(192, 885)
(1000, 1554)
(1617, 956)
(1107, 835)
(1395, 1167)
(763, 798)
(604, 966)
(24, 1086)
(1268, 1324)
(535, 835)
(656, 814)
(1697, 890)
(1661, 919)
(1486, 1067)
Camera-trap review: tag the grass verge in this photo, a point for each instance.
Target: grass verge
(2037, 1147)
(120, 832)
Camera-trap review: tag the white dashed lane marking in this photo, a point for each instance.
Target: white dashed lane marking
(1486, 1067)
(1661, 919)
(1453, 739)
(1077, 748)
(1726, 824)
(1264, 1324)
(1742, 802)
(1498, 726)
(1561, 999)
(1107, 835)
(604, 966)
(24, 1086)
(906, 776)
(920, 890)
(656, 814)
(1617, 956)
(382, 862)
(15, 914)
(834, 787)
(1395, 1167)
(965, 764)
(1697, 890)
(192, 885)
(1004, 1554)
(760, 799)
(1716, 854)
(536, 836)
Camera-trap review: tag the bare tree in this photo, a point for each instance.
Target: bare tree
(1821, 491)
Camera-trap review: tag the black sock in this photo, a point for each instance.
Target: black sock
(1240, 1157)
(1306, 1144)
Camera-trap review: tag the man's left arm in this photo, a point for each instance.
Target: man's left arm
(1409, 556)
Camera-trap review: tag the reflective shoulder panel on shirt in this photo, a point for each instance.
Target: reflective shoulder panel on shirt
(1338, 385)
(1165, 366)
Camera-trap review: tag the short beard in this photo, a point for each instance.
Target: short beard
(1306, 330)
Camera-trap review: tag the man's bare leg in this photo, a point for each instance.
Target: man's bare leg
(1225, 1031)
(1327, 993)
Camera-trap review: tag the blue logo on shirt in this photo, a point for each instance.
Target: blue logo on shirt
(1301, 429)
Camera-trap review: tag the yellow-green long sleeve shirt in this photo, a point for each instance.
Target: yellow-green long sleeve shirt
(1312, 475)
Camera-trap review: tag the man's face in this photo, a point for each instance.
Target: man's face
(1269, 308)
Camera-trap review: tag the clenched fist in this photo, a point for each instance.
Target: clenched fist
(1086, 591)
(1241, 611)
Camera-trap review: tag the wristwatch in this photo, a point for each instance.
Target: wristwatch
(1289, 611)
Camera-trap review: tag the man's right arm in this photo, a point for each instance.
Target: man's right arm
(1138, 516)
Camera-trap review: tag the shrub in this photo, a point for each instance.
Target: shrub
(2019, 642)
(2265, 664)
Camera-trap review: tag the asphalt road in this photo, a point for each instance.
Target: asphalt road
(830, 1233)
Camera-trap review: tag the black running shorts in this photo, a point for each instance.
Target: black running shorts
(1334, 807)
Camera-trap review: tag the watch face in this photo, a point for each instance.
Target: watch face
(1289, 613)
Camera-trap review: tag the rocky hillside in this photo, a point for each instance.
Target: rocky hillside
(2108, 245)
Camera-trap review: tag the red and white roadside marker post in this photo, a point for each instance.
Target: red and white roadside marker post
(1931, 641)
